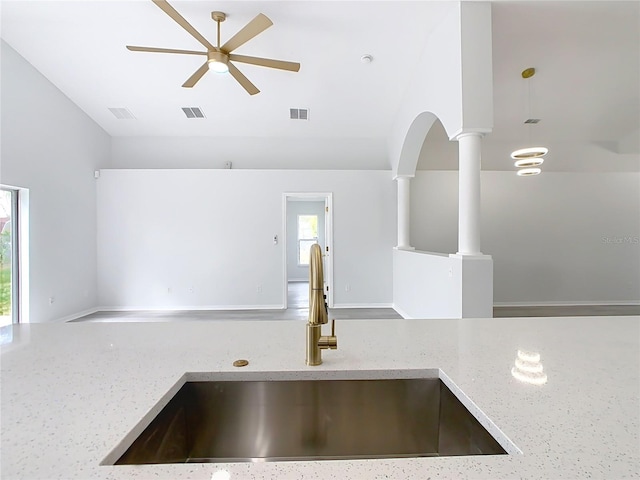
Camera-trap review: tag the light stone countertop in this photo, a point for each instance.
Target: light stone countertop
(71, 392)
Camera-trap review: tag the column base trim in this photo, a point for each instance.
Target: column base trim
(469, 255)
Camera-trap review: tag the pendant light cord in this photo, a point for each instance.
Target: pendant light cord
(528, 115)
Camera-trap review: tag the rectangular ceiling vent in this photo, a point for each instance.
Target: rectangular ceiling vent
(193, 112)
(122, 113)
(532, 120)
(299, 113)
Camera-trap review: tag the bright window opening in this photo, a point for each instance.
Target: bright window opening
(8, 256)
(307, 236)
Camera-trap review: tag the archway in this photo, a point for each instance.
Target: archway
(442, 285)
(413, 142)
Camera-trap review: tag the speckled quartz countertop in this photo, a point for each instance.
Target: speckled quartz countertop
(72, 392)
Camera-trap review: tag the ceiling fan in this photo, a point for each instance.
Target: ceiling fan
(219, 57)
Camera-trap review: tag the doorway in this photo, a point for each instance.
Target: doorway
(307, 219)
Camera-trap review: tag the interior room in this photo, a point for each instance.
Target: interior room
(118, 243)
(469, 171)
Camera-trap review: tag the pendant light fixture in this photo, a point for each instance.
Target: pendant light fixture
(529, 162)
(529, 153)
(527, 172)
(529, 157)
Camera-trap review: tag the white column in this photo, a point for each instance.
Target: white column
(404, 213)
(470, 148)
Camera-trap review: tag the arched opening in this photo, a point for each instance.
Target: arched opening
(413, 142)
(432, 169)
(437, 151)
(435, 229)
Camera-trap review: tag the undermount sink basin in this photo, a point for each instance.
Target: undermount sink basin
(280, 420)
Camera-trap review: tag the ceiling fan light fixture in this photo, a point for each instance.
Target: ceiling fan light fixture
(529, 153)
(218, 57)
(217, 62)
(218, 67)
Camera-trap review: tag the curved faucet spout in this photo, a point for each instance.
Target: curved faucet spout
(316, 342)
(317, 306)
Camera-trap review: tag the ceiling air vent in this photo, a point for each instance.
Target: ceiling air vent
(299, 113)
(122, 113)
(193, 112)
(532, 120)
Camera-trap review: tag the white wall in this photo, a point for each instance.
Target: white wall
(296, 272)
(213, 230)
(52, 148)
(437, 285)
(554, 238)
(453, 81)
(250, 153)
(476, 65)
(426, 285)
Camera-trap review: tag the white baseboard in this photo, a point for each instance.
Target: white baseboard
(188, 308)
(68, 318)
(565, 304)
(403, 314)
(406, 316)
(363, 305)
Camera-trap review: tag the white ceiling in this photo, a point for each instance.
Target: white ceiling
(586, 91)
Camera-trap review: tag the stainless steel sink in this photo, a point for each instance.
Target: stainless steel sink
(241, 421)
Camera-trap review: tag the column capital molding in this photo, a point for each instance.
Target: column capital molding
(466, 132)
(398, 177)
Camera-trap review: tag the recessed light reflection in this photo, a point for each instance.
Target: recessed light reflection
(528, 368)
(527, 377)
(528, 356)
(531, 367)
(221, 475)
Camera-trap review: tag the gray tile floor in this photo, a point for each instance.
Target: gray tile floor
(298, 301)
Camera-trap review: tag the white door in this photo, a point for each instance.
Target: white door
(328, 253)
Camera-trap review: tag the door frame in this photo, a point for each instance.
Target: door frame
(327, 197)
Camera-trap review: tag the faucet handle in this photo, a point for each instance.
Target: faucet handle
(330, 341)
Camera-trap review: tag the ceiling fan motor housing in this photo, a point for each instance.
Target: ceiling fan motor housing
(217, 56)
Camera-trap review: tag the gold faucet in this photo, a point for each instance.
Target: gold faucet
(316, 342)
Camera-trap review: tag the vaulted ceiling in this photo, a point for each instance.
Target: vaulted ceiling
(586, 90)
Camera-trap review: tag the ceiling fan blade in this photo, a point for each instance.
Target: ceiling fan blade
(179, 19)
(250, 30)
(242, 80)
(266, 62)
(164, 50)
(193, 79)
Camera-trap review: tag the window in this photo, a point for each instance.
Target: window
(307, 236)
(8, 256)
